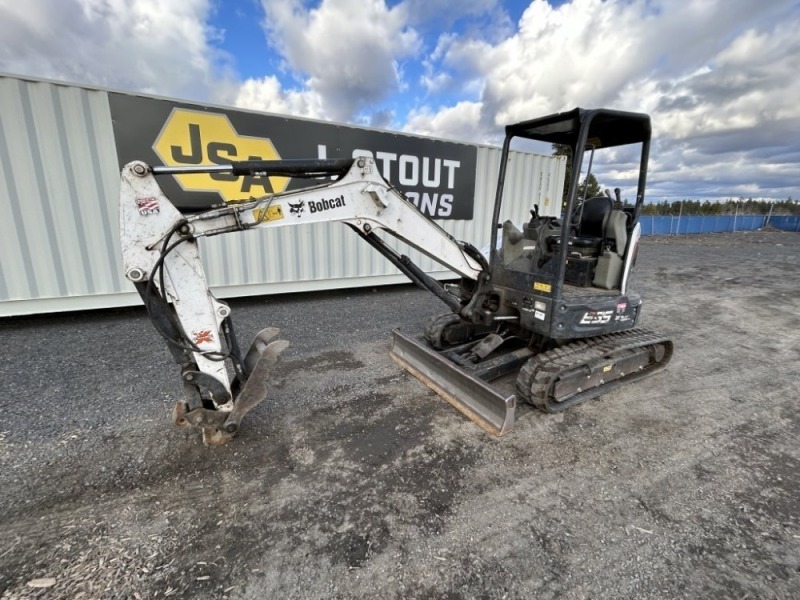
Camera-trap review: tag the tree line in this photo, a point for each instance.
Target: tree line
(731, 206)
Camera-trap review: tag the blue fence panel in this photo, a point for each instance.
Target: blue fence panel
(753, 222)
(709, 224)
(790, 223)
(686, 224)
(692, 224)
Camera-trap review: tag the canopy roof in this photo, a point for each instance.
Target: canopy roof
(607, 128)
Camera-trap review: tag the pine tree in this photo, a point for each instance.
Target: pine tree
(591, 184)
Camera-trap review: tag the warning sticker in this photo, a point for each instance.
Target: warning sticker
(271, 213)
(542, 287)
(204, 336)
(147, 206)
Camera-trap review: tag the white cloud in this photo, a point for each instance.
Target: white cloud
(158, 46)
(345, 53)
(749, 84)
(587, 52)
(267, 94)
(421, 11)
(459, 122)
(730, 128)
(436, 82)
(717, 76)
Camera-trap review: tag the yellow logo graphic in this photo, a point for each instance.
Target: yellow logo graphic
(542, 287)
(191, 137)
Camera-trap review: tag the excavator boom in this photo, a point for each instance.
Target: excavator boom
(161, 257)
(547, 318)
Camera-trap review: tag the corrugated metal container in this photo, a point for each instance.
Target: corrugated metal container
(59, 240)
(59, 247)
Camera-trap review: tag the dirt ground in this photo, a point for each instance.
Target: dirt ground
(354, 481)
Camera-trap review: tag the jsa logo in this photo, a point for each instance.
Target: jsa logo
(597, 317)
(199, 138)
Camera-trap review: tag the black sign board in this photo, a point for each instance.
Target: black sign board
(437, 176)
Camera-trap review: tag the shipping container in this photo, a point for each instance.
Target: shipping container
(62, 145)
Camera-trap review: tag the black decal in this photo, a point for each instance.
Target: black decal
(196, 149)
(315, 206)
(296, 209)
(250, 181)
(214, 150)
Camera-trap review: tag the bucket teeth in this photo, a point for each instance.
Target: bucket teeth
(255, 390)
(261, 341)
(220, 427)
(216, 437)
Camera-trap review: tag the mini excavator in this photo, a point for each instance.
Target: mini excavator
(547, 317)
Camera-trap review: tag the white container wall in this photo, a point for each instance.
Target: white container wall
(59, 246)
(59, 240)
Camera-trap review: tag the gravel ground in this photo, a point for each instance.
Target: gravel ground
(354, 481)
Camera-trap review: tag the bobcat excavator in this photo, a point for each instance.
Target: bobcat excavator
(547, 318)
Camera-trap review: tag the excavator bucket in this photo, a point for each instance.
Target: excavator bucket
(218, 426)
(489, 406)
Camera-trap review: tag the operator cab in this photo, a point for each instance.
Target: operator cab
(580, 239)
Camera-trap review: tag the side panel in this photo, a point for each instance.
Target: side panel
(591, 316)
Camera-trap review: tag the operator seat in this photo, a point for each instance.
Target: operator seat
(610, 264)
(589, 235)
(600, 225)
(594, 217)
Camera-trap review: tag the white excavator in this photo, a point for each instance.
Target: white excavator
(549, 310)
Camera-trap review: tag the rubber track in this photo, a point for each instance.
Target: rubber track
(434, 329)
(537, 375)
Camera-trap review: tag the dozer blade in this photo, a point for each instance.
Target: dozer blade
(479, 401)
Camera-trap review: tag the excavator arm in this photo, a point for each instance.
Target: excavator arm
(161, 258)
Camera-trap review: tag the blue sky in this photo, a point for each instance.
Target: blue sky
(243, 37)
(718, 77)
